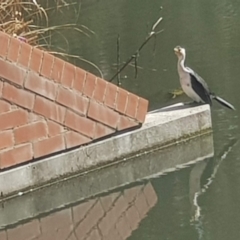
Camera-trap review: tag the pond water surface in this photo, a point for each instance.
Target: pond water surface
(164, 208)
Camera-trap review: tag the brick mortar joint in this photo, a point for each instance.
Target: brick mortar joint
(71, 88)
(51, 70)
(8, 45)
(20, 47)
(84, 217)
(64, 139)
(75, 67)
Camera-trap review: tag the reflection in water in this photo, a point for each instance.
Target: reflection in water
(55, 212)
(80, 187)
(196, 190)
(126, 212)
(210, 31)
(112, 216)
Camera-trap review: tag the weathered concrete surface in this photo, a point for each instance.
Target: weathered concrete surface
(161, 128)
(106, 179)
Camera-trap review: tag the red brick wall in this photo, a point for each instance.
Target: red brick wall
(48, 105)
(112, 217)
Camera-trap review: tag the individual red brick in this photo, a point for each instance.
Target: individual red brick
(1, 87)
(94, 234)
(4, 106)
(6, 139)
(62, 233)
(13, 119)
(107, 223)
(68, 75)
(132, 105)
(12, 72)
(26, 231)
(90, 84)
(79, 80)
(112, 216)
(113, 234)
(80, 124)
(54, 128)
(40, 85)
(120, 206)
(33, 117)
(150, 195)
(25, 53)
(3, 235)
(133, 217)
(56, 222)
(125, 123)
(103, 114)
(122, 100)
(81, 210)
(72, 236)
(48, 146)
(49, 109)
(123, 227)
(14, 49)
(57, 70)
(16, 155)
(14, 107)
(142, 110)
(108, 200)
(101, 131)
(4, 43)
(100, 90)
(74, 139)
(131, 194)
(18, 96)
(111, 95)
(141, 205)
(30, 132)
(47, 65)
(36, 59)
(73, 100)
(93, 216)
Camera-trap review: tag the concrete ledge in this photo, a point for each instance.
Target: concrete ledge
(101, 182)
(161, 128)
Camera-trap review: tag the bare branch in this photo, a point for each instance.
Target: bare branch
(136, 54)
(118, 61)
(156, 24)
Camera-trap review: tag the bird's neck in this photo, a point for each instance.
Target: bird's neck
(181, 62)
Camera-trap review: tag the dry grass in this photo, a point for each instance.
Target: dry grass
(31, 21)
(28, 20)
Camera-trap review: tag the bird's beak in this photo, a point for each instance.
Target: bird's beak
(176, 50)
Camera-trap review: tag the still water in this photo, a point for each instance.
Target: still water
(163, 207)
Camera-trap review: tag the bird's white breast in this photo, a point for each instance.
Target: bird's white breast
(185, 81)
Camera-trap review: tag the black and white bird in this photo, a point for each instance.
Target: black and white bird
(193, 85)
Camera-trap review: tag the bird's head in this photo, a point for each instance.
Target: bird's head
(180, 52)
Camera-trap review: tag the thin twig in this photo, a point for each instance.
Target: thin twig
(135, 65)
(136, 54)
(118, 61)
(80, 58)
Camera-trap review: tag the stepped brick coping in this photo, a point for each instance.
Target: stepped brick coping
(48, 105)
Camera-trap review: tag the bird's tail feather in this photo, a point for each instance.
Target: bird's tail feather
(223, 102)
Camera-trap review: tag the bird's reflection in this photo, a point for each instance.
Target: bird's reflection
(206, 169)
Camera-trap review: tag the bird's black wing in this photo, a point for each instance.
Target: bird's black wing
(200, 87)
